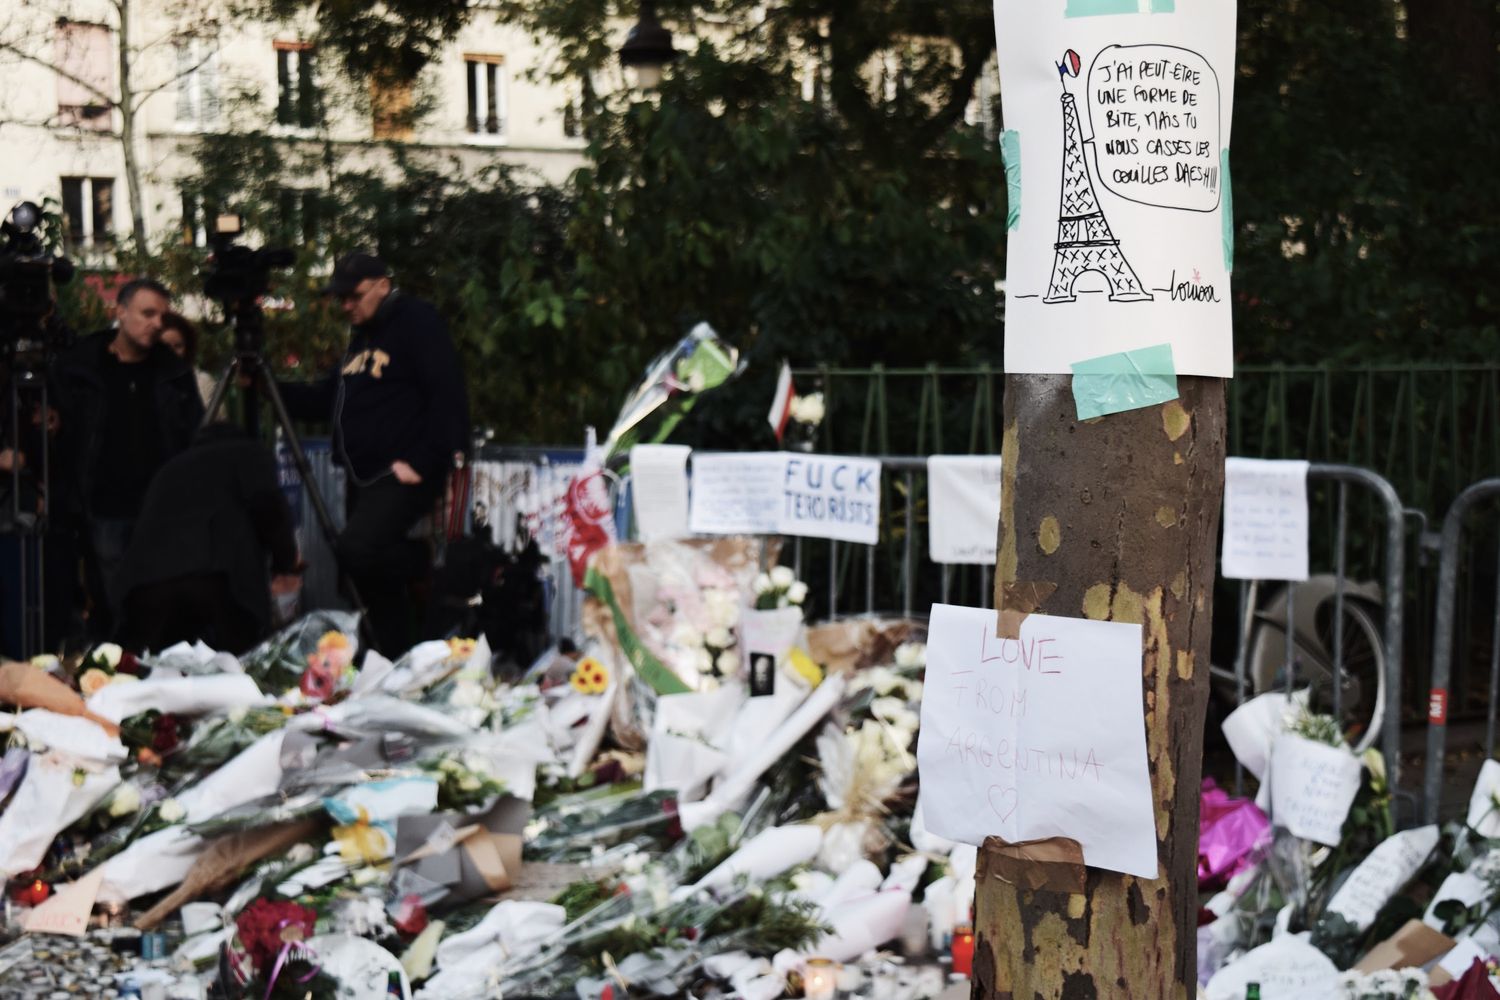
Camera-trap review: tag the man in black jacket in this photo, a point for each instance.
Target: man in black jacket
(213, 521)
(400, 414)
(126, 404)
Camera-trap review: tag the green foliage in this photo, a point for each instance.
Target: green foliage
(804, 181)
(1366, 227)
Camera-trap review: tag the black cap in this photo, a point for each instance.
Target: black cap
(351, 269)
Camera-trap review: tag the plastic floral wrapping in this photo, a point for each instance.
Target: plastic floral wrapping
(668, 610)
(1229, 830)
(697, 363)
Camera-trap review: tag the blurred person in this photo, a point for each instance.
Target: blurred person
(126, 405)
(213, 543)
(179, 333)
(400, 415)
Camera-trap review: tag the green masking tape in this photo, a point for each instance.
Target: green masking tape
(1125, 381)
(1226, 209)
(1010, 151)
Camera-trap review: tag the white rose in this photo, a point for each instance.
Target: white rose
(718, 637)
(810, 408)
(887, 708)
(703, 661)
(729, 661)
(469, 783)
(723, 607)
(237, 715)
(762, 583)
(707, 683)
(911, 654)
(171, 811)
(783, 577)
(109, 653)
(685, 635)
(126, 800)
(797, 592)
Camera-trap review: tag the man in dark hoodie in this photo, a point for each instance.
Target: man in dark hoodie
(400, 414)
(126, 404)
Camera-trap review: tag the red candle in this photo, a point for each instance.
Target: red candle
(34, 894)
(963, 950)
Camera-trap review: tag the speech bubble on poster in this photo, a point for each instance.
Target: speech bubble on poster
(1154, 110)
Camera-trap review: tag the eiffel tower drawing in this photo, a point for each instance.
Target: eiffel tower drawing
(1084, 240)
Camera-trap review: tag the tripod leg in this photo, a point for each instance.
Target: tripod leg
(221, 390)
(304, 469)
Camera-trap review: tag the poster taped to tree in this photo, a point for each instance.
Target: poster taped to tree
(1118, 112)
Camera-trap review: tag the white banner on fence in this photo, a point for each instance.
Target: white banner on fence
(1265, 519)
(963, 506)
(787, 493)
(736, 493)
(1117, 120)
(1036, 737)
(659, 490)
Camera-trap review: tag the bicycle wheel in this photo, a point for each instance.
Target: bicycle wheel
(1364, 694)
(1363, 698)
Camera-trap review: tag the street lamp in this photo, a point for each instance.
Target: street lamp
(647, 48)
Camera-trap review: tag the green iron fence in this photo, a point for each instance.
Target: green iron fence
(1430, 429)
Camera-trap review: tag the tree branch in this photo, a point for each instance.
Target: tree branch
(22, 54)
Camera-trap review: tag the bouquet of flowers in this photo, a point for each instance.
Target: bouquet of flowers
(778, 589)
(462, 781)
(270, 958)
(106, 664)
(279, 663)
(1385, 984)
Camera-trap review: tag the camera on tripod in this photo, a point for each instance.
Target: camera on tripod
(29, 273)
(237, 276)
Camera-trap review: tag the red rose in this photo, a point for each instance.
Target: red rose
(266, 925)
(167, 734)
(129, 664)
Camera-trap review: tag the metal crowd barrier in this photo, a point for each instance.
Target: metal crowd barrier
(1393, 586)
(1443, 641)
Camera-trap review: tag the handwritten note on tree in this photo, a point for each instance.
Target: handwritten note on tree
(1117, 122)
(1036, 737)
(1265, 519)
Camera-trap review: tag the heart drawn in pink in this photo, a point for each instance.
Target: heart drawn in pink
(1003, 801)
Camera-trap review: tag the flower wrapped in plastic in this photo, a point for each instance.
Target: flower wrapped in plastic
(697, 363)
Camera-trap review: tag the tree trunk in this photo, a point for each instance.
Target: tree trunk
(1122, 514)
(128, 111)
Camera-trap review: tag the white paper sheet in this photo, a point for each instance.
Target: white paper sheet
(1312, 787)
(1122, 124)
(45, 803)
(1382, 874)
(1465, 887)
(1484, 801)
(830, 496)
(788, 493)
(1265, 519)
(1457, 961)
(1039, 737)
(659, 490)
(1288, 968)
(1252, 728)
(963, 503)
(736, 493)
(178, 696)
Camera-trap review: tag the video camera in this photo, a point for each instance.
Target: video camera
(28, 274)
(237, 274)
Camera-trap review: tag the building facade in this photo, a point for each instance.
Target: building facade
(74, 112)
